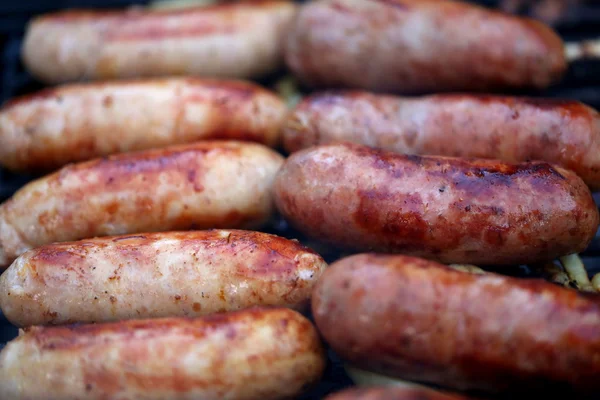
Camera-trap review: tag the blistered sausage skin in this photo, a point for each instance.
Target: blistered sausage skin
(393, 393)
(181, 273)
(244, 355)
(420, 46)
(511, 129)
(420, 320)
(454, 210)
(212, 184)
(79, 122)
(240, 40)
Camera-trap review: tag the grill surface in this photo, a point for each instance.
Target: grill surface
(582, 83)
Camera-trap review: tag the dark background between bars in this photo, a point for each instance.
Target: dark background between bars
(582, 82)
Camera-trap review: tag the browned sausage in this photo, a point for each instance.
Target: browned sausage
(419, 320)
(512, 129)
(239, 40)
(211, 184)
(418, 46)
(245, 355)
(182, 273)
(454, 210)
(78, 122)
(393, 393)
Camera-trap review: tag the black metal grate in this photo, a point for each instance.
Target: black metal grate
(582, 82)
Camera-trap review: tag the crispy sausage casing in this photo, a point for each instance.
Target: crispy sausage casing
(181, 273)
(393, 393)
(242, 40)
(250, 354)
(82, 121)
(205, 185)
(453, 210)
(512, 129)
(419, 320)
(418, 46)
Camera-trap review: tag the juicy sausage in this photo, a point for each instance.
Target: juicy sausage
(182, 273)
(467, 211)
(393, 393)
(240, 40)
(419, 46)
(82, 121)
(511, 129)
(419, 320)
(250, 354)
(199, 186)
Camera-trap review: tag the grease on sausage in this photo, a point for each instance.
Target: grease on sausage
(463, 211)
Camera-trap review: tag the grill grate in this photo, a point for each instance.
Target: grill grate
(582, 82)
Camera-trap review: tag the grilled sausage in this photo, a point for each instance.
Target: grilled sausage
(512, 129)
(419, 320)
(419, 46)
(393, 393)
(454, 210)
(199, 186)
(78, 122)
(240, 40)
(181, 273)
(250, 354)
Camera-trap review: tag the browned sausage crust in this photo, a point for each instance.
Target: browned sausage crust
(393, 393)
(182, 273)
(211, 184)
(238, 40)
(453, 210)
(511, 129)
(419, 320)
(78, 122)
(245, 355)
(418, 46)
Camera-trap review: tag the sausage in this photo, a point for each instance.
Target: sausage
(182, 273)
(209, 184)
(244, 355)
(454, 210)
(79, 122)
(420, 46)
(512, 129)
(393, 393)
(240, 40)
(419, 320)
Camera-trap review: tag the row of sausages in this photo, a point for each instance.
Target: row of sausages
(71, 123)
(394, 315)
(453, 210)
(444, 45)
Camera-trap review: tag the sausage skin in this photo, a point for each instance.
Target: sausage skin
(182, 273)
(239, 40)
(393, 393)
(454, 210)
(419, 320)
(420, 46)
(511, 129)
(250, 354)
(209, 184)
(79, 122)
